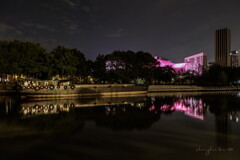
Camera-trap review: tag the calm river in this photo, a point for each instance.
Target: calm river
(162, 127)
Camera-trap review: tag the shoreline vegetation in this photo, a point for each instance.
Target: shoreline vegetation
(21, 60)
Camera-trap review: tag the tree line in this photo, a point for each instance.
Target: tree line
(34, 61)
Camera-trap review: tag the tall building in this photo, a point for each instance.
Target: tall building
(222, 47)
(196, 63)
(235, 59)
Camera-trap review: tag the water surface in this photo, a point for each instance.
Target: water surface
(178, 126)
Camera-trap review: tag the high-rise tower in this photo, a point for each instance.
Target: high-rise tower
(222, 47)
(234, 59)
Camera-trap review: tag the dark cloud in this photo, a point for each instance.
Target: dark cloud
(8, 32)
(117, 34)
(86, 8)
(71, 3)
(36, 26)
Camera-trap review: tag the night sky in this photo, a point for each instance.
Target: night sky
(168, 28)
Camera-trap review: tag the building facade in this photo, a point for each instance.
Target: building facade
(179, 67)
(222, 47)
(196, 63)
(114, 65)
(234, 59)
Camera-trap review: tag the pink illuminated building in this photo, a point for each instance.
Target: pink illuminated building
(196, 63)
(175, 66)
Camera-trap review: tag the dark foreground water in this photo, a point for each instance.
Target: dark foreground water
(181, 126)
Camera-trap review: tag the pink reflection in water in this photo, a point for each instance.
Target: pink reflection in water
(180, 106)
(152, 108)
(165, 108)
(190, 106)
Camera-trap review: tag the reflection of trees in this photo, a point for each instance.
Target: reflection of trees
(222, 129)
(61, 123)
(121, 117)
(168, 101)
(190, 105)
(10, 116)
(138, 115)
(116, 117)
(9, 108)
(221, 106)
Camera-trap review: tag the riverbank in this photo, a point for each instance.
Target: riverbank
(115, 90)
(189, 88)
(103, 90)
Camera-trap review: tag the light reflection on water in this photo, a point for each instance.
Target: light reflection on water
(201, 126)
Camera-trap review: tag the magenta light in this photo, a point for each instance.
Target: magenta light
(197, 63)
(165, 63)
(180, 106)
(190, 106)
(152, 108)
(164, 108)
(180, 65)
(195, 115)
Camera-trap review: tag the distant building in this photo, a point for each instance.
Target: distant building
(235, 59)
(196, 63)
(222, 47)
(114, 65)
